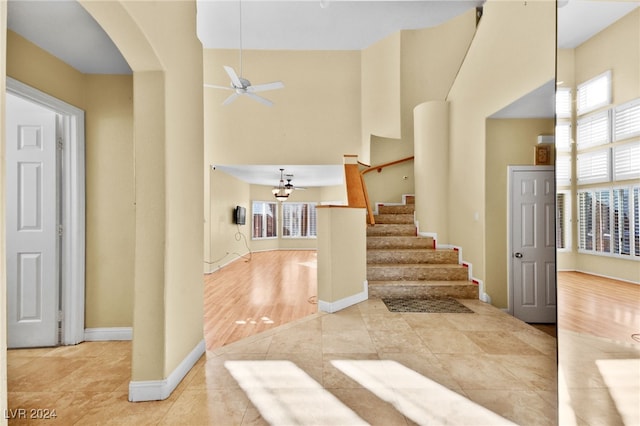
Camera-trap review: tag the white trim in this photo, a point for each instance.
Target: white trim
(107, 334)
(336, 306)
(73, 207)
(159, 390)
(601, 275)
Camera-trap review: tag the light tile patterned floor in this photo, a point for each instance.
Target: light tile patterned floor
(331, 369)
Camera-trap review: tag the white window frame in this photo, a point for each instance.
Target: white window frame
(586, 173)
(311, 219)
(594, 93)
(563, 102)
(633, 216)
(563, 136)
(563, 170)
(264, 218)
(626, 120)
(626, 161)
(593, 130)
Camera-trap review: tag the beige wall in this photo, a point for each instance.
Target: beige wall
(315, 119)
(509, 142)
(494, 74)
(399, 73)
(169, 176)
(342, 259)
(229, 242)
(110, 204)
(3, 257)
(431, 160)
(576, 66)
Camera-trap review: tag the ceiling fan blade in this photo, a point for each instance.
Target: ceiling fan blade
(260, 99)
(230, 99)
(215, 86)
(266, 86)
(233, 76)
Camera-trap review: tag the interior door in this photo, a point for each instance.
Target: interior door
(533, 247)
(31, 225)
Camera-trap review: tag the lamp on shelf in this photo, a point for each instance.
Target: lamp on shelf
(282, 191)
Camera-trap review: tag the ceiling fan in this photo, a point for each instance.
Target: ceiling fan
(242, 86)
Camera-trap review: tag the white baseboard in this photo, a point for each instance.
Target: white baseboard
(341, 304)
(158, 390)
(107, 333)
(607, 276)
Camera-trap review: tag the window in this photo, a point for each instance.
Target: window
(593, 166)
(563, 217)
(298, 220)
(563, 102)
(626, 161)
(608, 221)
(593, 130)
(264, 219)
(627, 120)
(563, 170)
(594, 93)
(563, 137)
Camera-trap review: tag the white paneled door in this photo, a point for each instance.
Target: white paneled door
(532, 244)
(31, 225)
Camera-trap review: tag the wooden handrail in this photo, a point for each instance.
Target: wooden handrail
(379, 168)
(382, 166)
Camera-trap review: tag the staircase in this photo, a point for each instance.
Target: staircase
(402, 264)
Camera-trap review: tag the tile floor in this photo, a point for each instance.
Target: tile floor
(361, 365)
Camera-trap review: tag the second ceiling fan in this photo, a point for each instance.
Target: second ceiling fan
(241, 86)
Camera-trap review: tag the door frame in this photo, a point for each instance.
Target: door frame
(72, 199)
(510, 171)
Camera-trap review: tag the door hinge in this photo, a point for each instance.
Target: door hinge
(60, 143)
(59, 230)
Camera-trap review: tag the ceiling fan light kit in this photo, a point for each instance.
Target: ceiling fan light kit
(282, 191)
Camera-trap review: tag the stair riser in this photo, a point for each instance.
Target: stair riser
(400, 243)
(413, 273)
(399, 209)
(404, 256)
(391, 230)
(458, 292)
(394, 218)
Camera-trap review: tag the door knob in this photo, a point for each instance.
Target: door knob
(518, 255)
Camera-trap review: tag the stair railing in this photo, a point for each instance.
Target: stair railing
(357, 193)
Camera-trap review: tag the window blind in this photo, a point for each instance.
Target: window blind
(593, 166)
(626, 161)
(563, 137)
(626, 121)
(563, 102)
(594, 93)
(563, 170)
(264, 219)
(298, 220)
(560, 220)
(621, 222)
(593, 130)
(585, 220)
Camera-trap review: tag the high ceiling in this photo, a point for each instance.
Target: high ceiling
(66, 30)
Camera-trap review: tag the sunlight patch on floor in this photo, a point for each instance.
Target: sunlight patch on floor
(286, 395)
(622, 377)
(417, 397)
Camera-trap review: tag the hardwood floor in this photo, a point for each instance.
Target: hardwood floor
(597, 306)
(250, 296)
